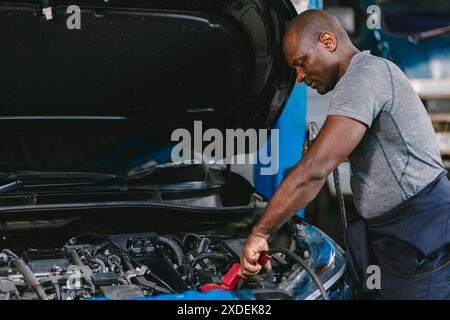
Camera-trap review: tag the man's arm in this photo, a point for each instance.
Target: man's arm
(336, 140)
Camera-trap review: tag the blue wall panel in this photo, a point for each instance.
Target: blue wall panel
(292, 132)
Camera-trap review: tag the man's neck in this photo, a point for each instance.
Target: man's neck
(343, 66)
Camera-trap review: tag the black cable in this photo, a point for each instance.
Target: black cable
(337, 185)
(305, 265)
(312, 134)
(201, 257)
(313, 131)
(183, 242)
(175, 248)
(151, 285)
(161, 281)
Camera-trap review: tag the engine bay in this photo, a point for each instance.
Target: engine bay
(140, 265)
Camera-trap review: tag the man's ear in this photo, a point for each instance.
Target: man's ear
(328, 40)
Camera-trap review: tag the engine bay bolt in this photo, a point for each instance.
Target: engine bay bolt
(106, 252)
(306, 254)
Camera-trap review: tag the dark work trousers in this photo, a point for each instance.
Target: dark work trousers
(410, 245)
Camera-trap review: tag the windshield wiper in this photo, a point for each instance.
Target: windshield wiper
(31, 180)
(11, 186)
(37, 179)
(416, 38)
(55, 175)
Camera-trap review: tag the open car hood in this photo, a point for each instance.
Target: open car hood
(147, 66)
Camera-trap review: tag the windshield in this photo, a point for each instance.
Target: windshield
(414, 16)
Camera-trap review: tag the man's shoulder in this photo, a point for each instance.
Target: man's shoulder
(367, 81)
(367, 65)
(366, 72)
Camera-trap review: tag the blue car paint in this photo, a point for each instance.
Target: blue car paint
(292, 133)
(320, 250)
(195, 295)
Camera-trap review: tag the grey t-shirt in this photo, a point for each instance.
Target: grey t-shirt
(398, 155)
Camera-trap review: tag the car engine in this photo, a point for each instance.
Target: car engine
(133, 266)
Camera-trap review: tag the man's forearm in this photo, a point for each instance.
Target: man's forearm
(299, 188)
(338, 137)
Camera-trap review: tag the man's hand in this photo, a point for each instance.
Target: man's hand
(339, 136)
(253, 248)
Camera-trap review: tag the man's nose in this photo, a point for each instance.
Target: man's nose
(300, 75)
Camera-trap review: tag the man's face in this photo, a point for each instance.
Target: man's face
(314, 63)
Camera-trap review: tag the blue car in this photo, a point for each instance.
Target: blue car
(91, 205)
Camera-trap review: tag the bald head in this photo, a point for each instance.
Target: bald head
(308, 25)
(317, 46)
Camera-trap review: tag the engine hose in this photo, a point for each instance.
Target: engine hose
(29, 278)
(10, 253)
(305, 265)
(183, 242)
(77, 260)
(127, 261)
(337, 184)
(201, 257)
(175, 247)
(152, 285)
(161, 281)
(98, 262)
(57, 292)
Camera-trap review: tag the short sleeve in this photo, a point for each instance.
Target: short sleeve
(362, 93)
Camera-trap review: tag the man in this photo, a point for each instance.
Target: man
(399, 185)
